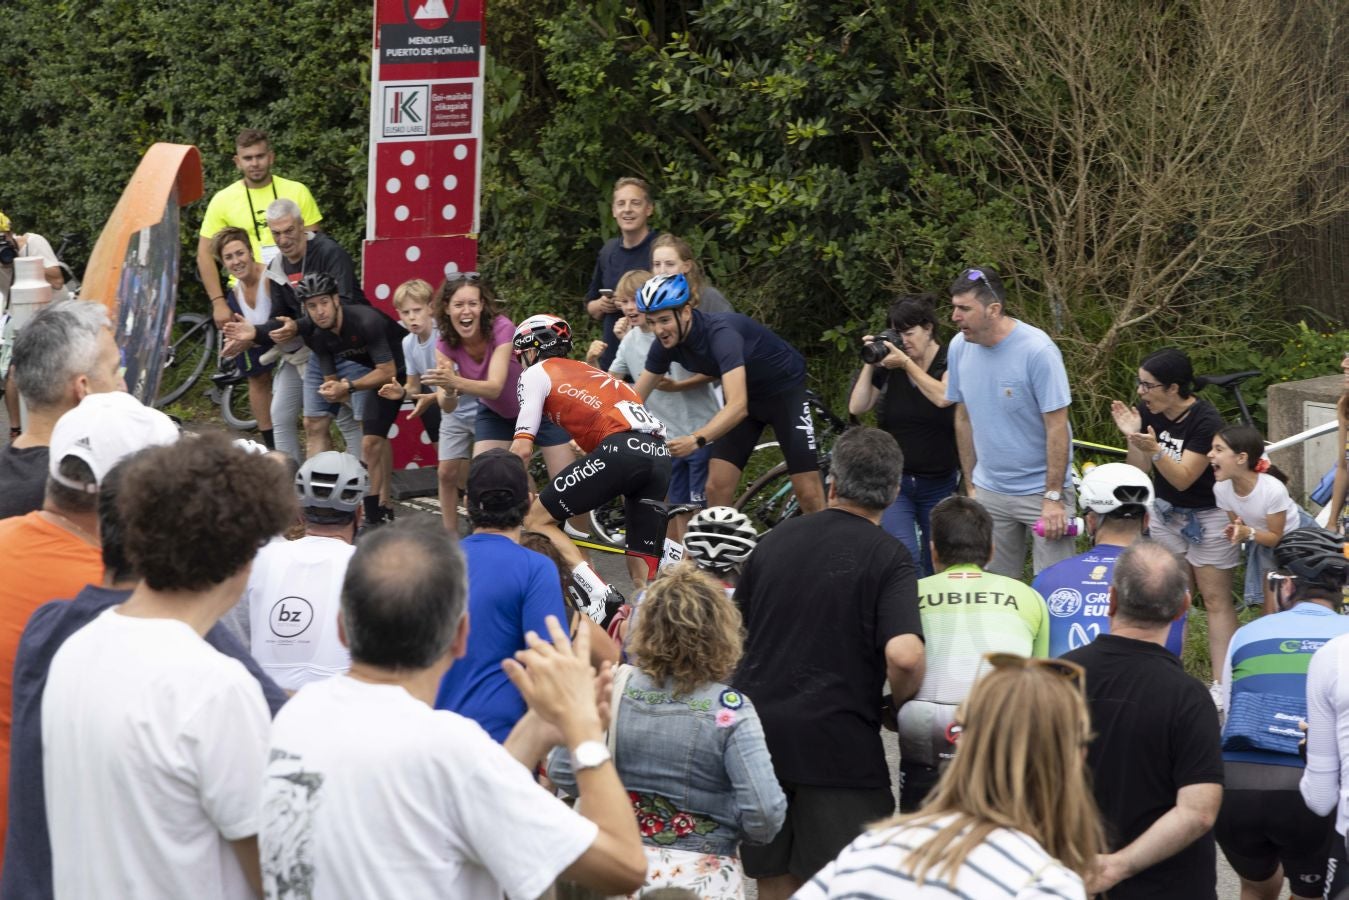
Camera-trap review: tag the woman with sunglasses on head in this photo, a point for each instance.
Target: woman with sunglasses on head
(1012, 815)
(476, 358)
(903, 378)
(1170, 433)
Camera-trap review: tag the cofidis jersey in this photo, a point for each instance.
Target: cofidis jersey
(1076, 591)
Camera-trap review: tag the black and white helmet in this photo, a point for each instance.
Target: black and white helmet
(332, 480)
(719, 538)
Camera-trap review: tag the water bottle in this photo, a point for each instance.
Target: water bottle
(1074, 528)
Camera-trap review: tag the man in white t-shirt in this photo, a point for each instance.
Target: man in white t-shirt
(372, 793)
(288, 613)
(153, 742)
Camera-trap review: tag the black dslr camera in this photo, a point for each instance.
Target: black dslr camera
(9, 250)
(874, 350)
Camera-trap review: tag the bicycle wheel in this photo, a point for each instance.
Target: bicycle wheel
(609, 523)
(191, 346)
(770, 499)
(235, 408)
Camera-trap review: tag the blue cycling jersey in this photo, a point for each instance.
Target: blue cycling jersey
(1075, 590)
(1266, 675)
(720, 342)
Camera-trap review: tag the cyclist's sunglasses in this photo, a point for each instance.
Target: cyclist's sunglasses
(1075, 674)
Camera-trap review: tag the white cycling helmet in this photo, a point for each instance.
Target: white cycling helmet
(332, 480)
(1108, 487)
(719, 538)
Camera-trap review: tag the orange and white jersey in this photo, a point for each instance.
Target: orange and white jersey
(589, 404)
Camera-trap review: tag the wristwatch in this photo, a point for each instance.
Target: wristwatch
(700, 441)
(1053, 496)
(589, 755)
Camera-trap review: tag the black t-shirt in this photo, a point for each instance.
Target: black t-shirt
(1156, 732)
(719, 342)
(322, 254)
(1194, 432)
(926, 432)
(821, 596)
(23, 480)
(613, 262)
(367, 337)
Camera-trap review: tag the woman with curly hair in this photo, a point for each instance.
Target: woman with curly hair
(1012, 816)
(689, 748)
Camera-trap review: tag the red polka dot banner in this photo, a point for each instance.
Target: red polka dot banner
(425, 160)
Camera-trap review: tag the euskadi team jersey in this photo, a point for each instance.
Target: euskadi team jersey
(589, 404)
(1077, 593)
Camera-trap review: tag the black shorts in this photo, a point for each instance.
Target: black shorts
(788, 414)
(380, 413)
(820, 822)
(631, 465)
(1261, 829)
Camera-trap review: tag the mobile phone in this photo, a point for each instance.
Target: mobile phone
(606, 293)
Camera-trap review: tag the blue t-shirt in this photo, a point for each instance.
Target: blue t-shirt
(1007, 389)
(28, 850)
(1266, 678)
(719, 342)
(615, 261)
(510, 591)
(1075, 590)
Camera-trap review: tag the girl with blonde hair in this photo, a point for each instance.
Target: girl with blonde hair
(1013, 814)
(672, 255)
(689, 748)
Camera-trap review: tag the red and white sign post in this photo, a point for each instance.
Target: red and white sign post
(422, 196)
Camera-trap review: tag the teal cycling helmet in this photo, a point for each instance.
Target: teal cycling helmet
(663, 292)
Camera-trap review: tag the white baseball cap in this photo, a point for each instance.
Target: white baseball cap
(103, 430)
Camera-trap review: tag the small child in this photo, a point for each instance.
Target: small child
(454, 430)
(1254, 495)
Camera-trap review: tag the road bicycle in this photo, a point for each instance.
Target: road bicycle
(770, 498)
(194, 343)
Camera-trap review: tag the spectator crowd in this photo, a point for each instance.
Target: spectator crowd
(226, 671)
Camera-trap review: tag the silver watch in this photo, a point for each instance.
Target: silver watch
(589, 755)
(1053, 496)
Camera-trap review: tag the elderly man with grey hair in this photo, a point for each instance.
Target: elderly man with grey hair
(1156, 758)
(830, 603)
(303, 252)
(64, 353)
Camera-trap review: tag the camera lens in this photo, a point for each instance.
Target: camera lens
(872, 353)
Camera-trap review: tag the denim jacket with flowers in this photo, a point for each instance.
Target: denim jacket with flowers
(695, 765)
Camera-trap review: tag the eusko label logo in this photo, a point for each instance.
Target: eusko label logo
(405, 110)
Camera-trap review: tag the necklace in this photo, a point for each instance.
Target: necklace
(53, 517)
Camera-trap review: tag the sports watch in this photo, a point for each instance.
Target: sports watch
(1053, 496)
(700, 441)
(589, 755)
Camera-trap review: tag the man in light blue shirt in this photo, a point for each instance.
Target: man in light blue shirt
(1011, 390)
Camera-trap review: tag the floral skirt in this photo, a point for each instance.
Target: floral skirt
(710, 877)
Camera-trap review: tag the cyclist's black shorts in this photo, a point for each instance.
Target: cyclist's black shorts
(788, 414)
(380, 413)
(1260, 828)
(630, 464)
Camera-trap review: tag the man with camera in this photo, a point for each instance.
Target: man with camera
(13, 246)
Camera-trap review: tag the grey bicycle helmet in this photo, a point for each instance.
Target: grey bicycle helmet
(332, 480)
(1313, 555)
(315, 284)
(719, 538)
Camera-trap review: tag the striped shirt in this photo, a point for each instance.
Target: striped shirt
(1007, 864)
